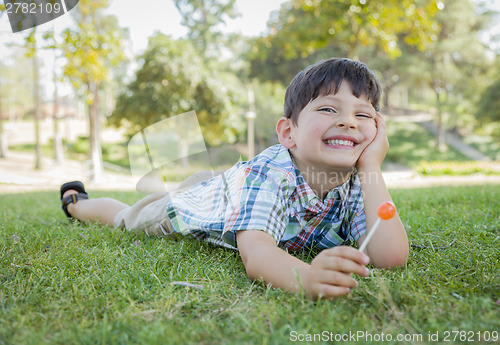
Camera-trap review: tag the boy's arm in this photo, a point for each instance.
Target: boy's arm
(328, 276)
(389, 245)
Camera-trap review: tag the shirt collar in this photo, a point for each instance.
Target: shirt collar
(309, 199)
(341, 191)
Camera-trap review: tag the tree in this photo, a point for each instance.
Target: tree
(32, 50)
(173, 80)
(15, 83)
(487, 113)
(454, 60)
(308, 28)
(52, 44)
(489, 105)
(92, 50)
(203, 19)
(3, 138)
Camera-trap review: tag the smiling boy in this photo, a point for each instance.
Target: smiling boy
(319, 188)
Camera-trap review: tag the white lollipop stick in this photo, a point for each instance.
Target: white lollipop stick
(386, 211)
(370, 235)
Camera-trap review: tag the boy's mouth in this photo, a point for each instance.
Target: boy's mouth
(341, 142)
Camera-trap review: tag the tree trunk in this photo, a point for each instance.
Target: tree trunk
(440, 123)
(3, 138)
(387, 91)
(36, 92)
(58, 148)
(94, 136)
(403, 101)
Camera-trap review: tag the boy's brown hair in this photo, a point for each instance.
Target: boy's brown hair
(324, 78)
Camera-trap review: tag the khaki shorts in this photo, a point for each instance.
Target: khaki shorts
(149, 214)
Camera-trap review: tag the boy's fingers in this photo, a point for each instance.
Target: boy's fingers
(330, 292)
(342, 265)
(338, 279)
(348, 253)
(379, 120)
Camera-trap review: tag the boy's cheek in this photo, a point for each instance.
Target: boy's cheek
(372, 135)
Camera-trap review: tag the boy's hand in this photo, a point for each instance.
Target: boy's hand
(329, 275)
(374, 153)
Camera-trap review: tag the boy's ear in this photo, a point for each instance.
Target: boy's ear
(284, 131)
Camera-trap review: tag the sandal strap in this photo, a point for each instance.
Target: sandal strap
(72, 198)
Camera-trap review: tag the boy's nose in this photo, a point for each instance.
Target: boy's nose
(347, 121)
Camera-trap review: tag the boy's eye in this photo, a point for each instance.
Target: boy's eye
(365, 116)
(328, 110)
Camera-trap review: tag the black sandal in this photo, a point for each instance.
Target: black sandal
(73, 198)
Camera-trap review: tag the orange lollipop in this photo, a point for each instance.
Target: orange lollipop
(386, 211)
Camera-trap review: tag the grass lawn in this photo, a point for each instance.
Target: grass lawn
(63, 283)
(410, 144)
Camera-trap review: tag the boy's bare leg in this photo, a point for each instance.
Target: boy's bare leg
(102, 210)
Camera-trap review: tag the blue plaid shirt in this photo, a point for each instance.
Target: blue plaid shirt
(269, 193)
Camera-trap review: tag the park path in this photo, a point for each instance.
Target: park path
(17, 174)
(454, 141)
(426, 120)
(17, 171)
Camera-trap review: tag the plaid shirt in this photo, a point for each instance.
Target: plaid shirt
(268, 193)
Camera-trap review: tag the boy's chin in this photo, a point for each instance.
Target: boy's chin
(343, 166)
(344, 170)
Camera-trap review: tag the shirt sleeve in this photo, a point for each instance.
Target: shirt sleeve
(255, 202)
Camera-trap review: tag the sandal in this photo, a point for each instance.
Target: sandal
(73, 198)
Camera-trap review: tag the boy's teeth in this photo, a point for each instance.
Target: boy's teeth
(340, 142)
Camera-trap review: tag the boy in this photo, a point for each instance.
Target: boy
(319, 188)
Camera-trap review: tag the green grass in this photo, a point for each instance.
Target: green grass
(488, 145)
(411, 144)
(64, 283)
(114, 153)
(457, 168)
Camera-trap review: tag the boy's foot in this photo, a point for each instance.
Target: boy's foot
(71, 192)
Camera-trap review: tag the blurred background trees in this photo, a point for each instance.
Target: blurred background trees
(432, 56)
(173, 80)
(92, 49)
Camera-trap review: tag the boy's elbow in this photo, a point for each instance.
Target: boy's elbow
(248, 263)
(250, 268)
(392, 263)
(396, 258)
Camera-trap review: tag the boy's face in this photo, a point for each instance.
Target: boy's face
(332, 132)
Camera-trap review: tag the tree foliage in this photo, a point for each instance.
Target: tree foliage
(306, 28)
(92, 49)
(489, 103)
(204, 19)
(173, 80)
(453, 63)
